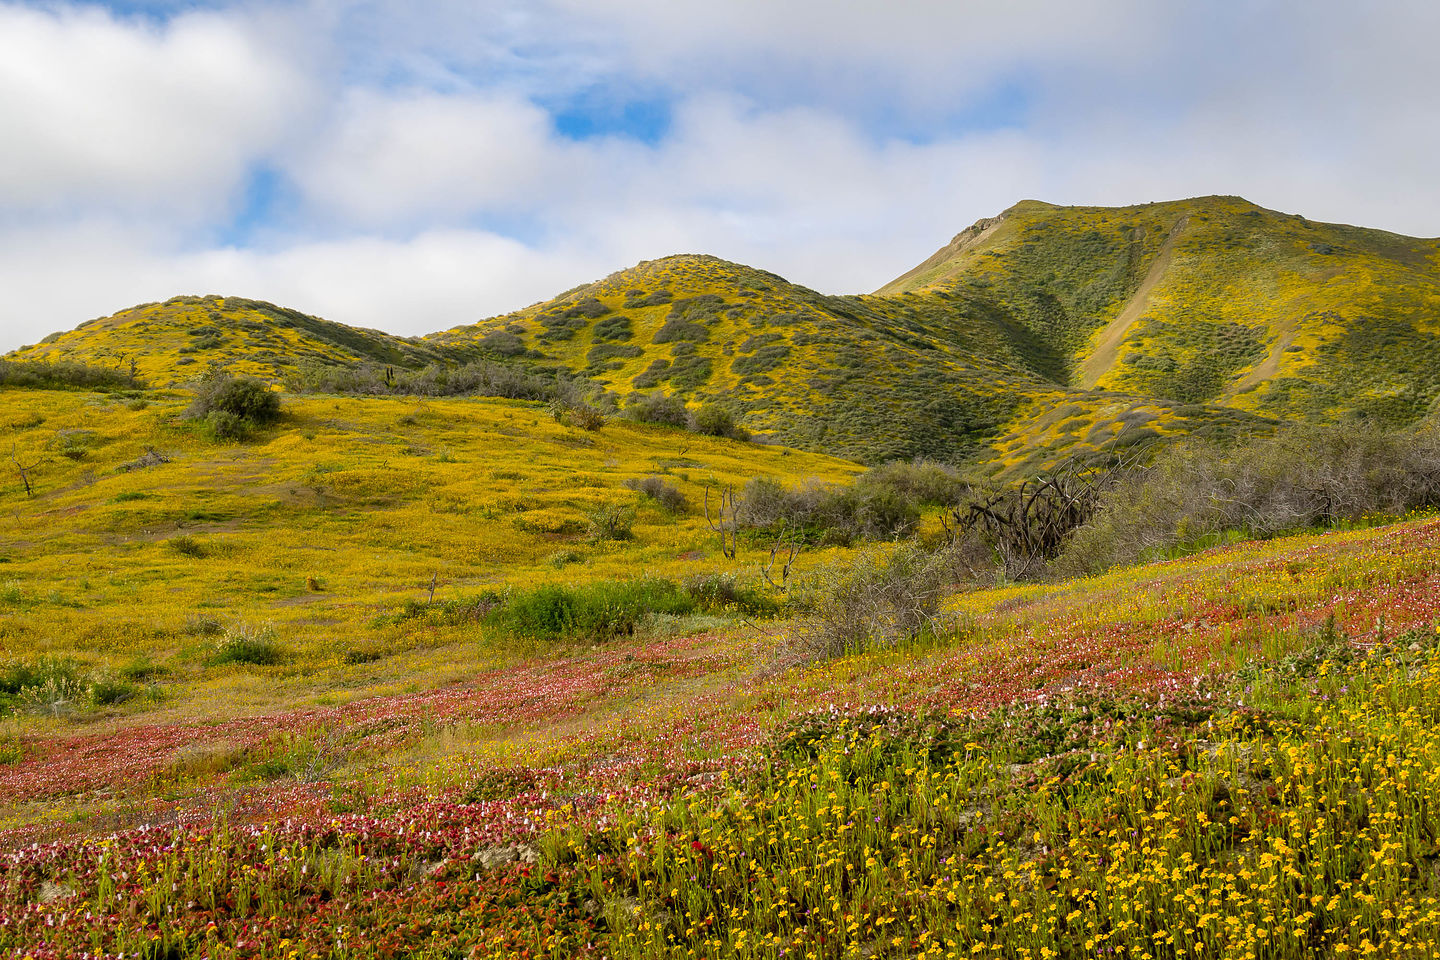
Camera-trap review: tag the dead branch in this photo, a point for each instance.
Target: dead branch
(792, 551)
(1029, 524)
(24, 470)
(727, 521)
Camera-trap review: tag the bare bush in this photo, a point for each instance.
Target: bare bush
(656, 488)
(879, 599)
(1316, 476)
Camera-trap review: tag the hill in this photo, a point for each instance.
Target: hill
(1038, 334)
(237, 724)
(1210, 300)
(868, 377)
(430, 677)
(174, 342)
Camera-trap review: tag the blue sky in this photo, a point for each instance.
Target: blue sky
(414, 167)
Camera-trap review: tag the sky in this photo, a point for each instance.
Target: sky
(413, 166)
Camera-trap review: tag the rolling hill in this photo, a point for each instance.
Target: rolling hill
(1040, 333)
(174, 342)
(1211, 300)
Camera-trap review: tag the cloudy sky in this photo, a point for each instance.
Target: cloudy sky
(412, 166)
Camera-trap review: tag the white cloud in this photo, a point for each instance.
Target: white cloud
(425, 186)
(424, 157)
(59, 278)
(101, 112)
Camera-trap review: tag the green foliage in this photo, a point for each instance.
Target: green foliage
(242, 398)
(1196, 495)
(659, 408)
(245, 644)
(222, 425)
(725, 592)
(65, 375)
(872, 508)
(450, 612)
(878, 599)
(611, 521)
(56, 684)
(481, 378)
(591, 612)
(662, 492)
(188, 546)
(718, 420)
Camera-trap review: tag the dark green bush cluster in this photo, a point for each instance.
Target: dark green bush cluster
(53, 684)
(591, 612)
(710, 419)
(718, 420)
(65, 375)
(232, 407)
(595, 611)
(725, 592)
(662, 492)
(479, 379)
(661, 408)
(577, 413)
(827, 512)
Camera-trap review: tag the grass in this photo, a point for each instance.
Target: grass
(109, 566)
(1168, 758)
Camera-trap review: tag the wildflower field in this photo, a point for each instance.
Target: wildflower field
(240, 725)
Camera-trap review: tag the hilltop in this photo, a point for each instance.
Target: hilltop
(174, 342)
(1043, 332)
(1210, 300)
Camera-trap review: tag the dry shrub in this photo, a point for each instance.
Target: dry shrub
(878, 599)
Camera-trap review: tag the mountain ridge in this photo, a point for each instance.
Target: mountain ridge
(1209, 315)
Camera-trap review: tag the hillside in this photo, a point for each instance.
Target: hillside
(1211, 300)
(347, 511)
(1044, 332)
(389, 680)
(174, 342)
(237, 726)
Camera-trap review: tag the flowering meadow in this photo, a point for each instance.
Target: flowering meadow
(1229, 755)
(253, 708)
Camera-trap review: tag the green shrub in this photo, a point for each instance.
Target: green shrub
(585, 417)
(482, 378)
(725, 592)
(188, 546)
(829, 513)
(244, 398)
(656, 488)
(611, 522)
(248, 645)
(47, 684)
(718, 420)
(223, 425)
(878, 599)
(595, 611)
(919, 481)
(659, 408)
(107, 691)
(1201, 494)
(64, 375)
(563, 558)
